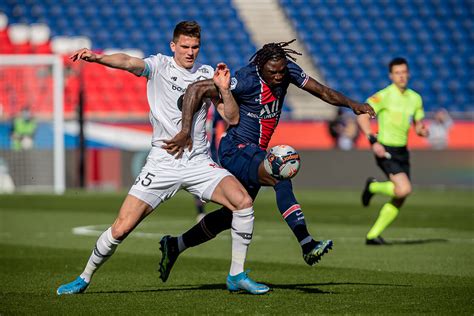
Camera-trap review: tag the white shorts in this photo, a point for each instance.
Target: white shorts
(162, 177)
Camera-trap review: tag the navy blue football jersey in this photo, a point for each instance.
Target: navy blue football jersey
(260, 106)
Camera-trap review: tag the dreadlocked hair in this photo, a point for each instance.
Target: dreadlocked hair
(273, 51)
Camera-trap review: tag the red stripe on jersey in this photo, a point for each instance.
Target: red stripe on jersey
(292, 209)
(266, 95)
(267, 127)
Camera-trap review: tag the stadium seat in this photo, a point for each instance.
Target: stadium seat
(435, 37)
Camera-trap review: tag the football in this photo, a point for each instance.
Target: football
(282, 162)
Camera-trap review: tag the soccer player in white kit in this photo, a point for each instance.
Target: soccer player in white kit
(163, 175)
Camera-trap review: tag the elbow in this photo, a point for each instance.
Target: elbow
(197, 88)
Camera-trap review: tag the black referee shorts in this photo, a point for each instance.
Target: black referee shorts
(398, 162)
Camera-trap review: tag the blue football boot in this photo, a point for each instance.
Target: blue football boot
(242, 282)
(75, 287)
(315, 254)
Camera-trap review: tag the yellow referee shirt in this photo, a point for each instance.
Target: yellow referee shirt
(395, 113)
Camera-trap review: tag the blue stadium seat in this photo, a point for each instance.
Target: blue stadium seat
(435, 36)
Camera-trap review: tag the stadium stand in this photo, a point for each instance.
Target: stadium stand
(142, 27)
(352, 41)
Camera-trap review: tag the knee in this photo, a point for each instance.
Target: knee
(243, 201)
(402, 191)
(120, 230)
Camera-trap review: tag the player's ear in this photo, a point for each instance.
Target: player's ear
(173, 46)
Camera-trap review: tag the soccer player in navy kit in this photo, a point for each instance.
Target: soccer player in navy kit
(258, 90)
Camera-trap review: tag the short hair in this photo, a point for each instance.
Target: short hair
(187, 28)
(397, 61)
(273, 51)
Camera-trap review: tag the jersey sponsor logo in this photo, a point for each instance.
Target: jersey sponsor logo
(178, 88)
(174, 78)
(303, 74)
(270, 110)
(203, 70)
(233, 83)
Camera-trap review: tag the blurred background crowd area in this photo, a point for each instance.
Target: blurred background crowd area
(346, 44)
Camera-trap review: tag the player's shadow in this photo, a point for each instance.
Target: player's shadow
(417, 241)
(311, 288)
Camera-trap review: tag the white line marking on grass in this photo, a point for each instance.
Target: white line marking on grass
(96, 230)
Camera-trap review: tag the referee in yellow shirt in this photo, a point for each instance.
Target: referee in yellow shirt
(397, 107)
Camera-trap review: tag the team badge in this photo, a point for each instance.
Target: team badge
(233, 83)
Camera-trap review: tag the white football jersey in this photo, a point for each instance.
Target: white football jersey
(167, 82)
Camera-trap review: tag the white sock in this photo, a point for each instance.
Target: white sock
(241, 232)
(104, 248)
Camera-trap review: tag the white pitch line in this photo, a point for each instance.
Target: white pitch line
(96, 230)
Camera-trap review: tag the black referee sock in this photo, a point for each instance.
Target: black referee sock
(211, 225)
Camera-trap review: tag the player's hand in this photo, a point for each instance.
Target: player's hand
(177, 144)
(423, 131)
(84, 54)
(222, 77)
(380, 151)
(362, 109)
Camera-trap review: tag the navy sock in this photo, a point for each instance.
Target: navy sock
(292, 213)
(211, 225)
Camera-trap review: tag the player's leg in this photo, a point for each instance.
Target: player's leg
(293, 215)
(390, 210)
(199, 209)
(132, 212)
(231, 194)
(208, 228)
(372, 187)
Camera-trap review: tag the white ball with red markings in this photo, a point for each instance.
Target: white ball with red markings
(282, 162)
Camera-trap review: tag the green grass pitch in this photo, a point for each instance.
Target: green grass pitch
(46, 240)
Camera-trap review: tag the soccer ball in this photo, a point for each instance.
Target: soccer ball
(282, 162)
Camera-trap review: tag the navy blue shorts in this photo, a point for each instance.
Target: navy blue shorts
(242, 160)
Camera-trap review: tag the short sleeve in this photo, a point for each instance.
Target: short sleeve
(419, 112)
(153, 65)
(297, 76)
(376, 101)
(237, 83)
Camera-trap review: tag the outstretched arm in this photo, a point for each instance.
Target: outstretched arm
(119, 60)
(335, 98)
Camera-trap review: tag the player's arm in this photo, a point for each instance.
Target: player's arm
(120, 60)
(421, 129)
(192, 101)
(228, 108)
(335, 98)
(363, 121)
(418, 116)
